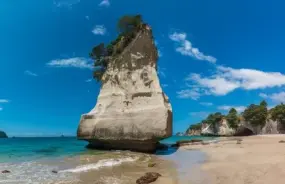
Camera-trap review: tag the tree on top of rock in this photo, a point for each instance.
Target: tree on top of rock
(232, 118)
(278, 113)
(256, 114)
(128, 27)
(128, 23)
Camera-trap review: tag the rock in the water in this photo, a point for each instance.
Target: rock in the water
(132, 111)
(148, 178)
(187, 142)
(54, 171)
(3, 134)
(179, 134)
(6, 171)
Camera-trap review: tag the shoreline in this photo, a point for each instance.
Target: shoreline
(255, 159)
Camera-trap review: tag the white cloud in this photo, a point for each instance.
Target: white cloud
(159, 53)
(189, 93)
(161, 72)
(263, 95)
(27, 72)
(105, 3)
(253, 79)
(185, 48)
(226, 79)
(4, 101)
(88, 80)
(200, 114)
(65, 3)
(164, 85)
(275, 97)
(206, 103)
(228, 107)
(99, 30)
(215, 85)
(77, 62)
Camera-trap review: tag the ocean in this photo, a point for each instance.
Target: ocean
(66, 160)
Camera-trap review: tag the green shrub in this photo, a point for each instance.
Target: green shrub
(232, 118)
(278, 113)
(256, 114)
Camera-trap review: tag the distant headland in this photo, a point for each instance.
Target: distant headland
(3, 134)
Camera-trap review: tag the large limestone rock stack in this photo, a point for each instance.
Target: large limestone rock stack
(132, 111)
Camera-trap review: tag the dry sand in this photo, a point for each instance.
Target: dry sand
(257, 160)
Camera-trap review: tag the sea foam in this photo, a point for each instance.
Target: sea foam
(101, 164)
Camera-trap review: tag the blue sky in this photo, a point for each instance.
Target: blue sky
(214, 55)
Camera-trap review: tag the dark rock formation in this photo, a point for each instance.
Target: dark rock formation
(6, 172)
(3, 134)
(148, 178)
(243, 131)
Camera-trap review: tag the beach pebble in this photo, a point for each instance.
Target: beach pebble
(151, 164)
(148, 178)
(6, 171)
(282, 141)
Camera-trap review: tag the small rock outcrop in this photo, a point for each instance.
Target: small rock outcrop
(3, 134)
(148, 178)
(5, 172)
(132, 112)
(179, 134)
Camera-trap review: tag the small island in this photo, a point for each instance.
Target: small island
(3, 134)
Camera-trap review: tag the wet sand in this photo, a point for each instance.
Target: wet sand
(257, 160)
(178, 167)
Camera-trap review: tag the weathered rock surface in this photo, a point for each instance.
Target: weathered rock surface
(3, 134)
(219, 129)
(193, 132)
(148, 178)
(245, 129)
(132, 111)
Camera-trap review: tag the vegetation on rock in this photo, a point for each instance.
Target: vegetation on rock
(232, 118)
(128, 27)
(213, 118)
(197, 126)
(278, 113)
(256, 114)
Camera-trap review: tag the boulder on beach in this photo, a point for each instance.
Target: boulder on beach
(148, 178)
(132, 112)
(3, 134)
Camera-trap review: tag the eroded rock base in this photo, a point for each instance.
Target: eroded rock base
(139, 146)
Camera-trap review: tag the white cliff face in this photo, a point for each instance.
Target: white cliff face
(132, 112)
(219, 129)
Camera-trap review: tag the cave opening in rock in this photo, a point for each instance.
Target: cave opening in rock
(243, 131)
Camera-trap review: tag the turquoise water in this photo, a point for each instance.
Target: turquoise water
(174, 139)
(26, 149)
(31, 160)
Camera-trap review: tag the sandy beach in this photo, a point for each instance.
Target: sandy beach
(256, 160)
